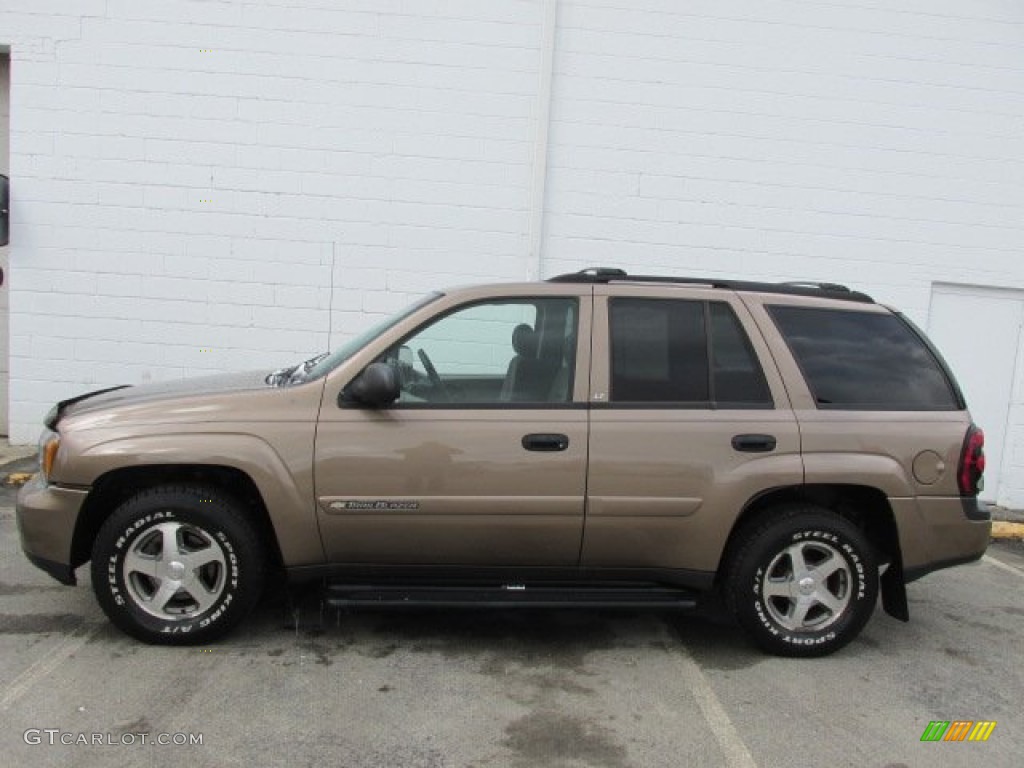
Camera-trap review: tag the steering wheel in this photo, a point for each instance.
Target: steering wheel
(432, 374)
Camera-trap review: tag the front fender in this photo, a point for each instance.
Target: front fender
(283, 481)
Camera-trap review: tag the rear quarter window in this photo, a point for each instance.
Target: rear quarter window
(864, 361)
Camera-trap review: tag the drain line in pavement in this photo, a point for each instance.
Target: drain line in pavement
(1003, 566)
(733, 749)
(45, 665)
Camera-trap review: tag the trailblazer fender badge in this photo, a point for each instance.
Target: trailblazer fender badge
(340, 506)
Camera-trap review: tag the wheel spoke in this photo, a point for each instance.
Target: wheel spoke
(169, 540)
(796, 557)
(204, 597)
(830, 601)
(829, 567)
(777, 588)
(196, 560)
(798, 612)
(136, 562)
(164, 593)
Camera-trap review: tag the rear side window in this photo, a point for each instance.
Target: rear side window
(864, 361)
(686, 353)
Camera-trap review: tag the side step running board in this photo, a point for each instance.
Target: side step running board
(506, 596)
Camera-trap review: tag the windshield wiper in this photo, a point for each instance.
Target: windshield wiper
(274, 378)
(299, 374)
(293, 374)
(286, 375)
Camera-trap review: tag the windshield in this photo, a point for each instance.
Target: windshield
(331, 361)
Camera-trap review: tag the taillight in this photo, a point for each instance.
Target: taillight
(972, 463)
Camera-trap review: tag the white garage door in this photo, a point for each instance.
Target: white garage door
(978, 331)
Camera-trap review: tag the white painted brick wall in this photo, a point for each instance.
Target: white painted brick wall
(186, 173)
(864, 142)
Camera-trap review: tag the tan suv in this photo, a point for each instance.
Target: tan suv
(596, 439)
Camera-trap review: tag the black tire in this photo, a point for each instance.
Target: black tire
(211, 582)
(794, 610)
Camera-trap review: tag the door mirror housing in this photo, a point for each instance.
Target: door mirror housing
(376, 386)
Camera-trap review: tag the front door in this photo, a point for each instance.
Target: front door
(482, 460)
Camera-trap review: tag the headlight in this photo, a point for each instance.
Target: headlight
(49, 442)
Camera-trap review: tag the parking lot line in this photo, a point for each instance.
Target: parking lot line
(1003, 566)
(46, 664)
(721, 726)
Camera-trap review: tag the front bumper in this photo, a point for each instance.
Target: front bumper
(47, 515)
(937, 532)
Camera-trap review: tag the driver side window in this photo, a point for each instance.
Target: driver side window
(504, 351)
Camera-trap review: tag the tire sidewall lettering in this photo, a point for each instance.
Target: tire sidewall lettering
(859, 587)
(122, 599)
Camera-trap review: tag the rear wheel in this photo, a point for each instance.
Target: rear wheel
(177, 565)
(803, 581)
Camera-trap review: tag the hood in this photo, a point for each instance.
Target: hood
(162, 394)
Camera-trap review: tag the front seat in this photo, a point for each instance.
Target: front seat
(527, 379)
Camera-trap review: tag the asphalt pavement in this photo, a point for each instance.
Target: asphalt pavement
(300, 686)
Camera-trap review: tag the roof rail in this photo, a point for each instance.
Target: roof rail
(819, 286)
(604, 275)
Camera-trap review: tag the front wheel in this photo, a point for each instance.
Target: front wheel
(803, 581)
(177, 565)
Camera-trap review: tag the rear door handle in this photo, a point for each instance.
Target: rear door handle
(545, 442)
(754, 443)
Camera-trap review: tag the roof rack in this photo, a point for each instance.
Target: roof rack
(604, 275)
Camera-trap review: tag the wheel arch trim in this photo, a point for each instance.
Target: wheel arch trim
(173, 458)
(873, 511)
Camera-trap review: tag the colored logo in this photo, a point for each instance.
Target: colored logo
(958, 730)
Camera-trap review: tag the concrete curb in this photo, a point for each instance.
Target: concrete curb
(18, 478)
(9, 453)
(1003, 530)
(1006, 514)
(18, 470)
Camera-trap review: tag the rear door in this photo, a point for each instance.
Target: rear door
(689, 422)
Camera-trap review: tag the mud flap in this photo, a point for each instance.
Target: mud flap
(894, 591)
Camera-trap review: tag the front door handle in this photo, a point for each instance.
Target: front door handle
(545, 442)
(754, 443)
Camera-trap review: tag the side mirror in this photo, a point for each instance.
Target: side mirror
(376, 387)
(5, 205)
